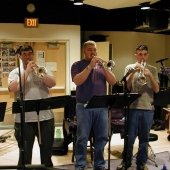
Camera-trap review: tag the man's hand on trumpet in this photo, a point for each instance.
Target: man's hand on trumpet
(30, 66)
(93, 61)
(139, 67)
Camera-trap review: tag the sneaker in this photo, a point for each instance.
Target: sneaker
(122, 166)
(142, 167)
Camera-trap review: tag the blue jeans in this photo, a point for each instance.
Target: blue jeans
(95, 119)
(139, 124)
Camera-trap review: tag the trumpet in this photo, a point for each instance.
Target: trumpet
(107, 65)
(141, 76)
(39, 71)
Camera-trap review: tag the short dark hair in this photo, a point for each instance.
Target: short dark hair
(142, 47)
(24, 47)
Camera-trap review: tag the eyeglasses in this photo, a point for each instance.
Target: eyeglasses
(27, 53)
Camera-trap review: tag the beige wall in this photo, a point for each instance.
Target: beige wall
(167, 51)
(69, 34)
(124, 44)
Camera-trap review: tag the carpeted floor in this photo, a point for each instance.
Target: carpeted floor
(9, 153)
(161, 159)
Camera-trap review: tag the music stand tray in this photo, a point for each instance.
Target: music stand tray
(2, 110)
(115, 100)
(41, 104)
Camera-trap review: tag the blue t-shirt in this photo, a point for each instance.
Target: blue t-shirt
(95, 84)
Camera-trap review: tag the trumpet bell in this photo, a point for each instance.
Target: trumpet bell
(40, 71)
(142, 80)
(107, 65)
(110, 64)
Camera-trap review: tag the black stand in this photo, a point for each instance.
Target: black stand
(2, 110)
(163, 75)
(36, 105)
(162, 98)
(110, 101)
(43, 104)
(2, 114)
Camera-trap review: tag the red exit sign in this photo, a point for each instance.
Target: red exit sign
(31, 22)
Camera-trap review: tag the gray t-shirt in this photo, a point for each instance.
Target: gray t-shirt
(147, 94)
(32, 90)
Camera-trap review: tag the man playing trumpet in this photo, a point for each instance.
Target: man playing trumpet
(90, 77)
(142, 79)
(32, 87)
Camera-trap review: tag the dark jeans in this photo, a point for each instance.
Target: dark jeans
(26, 142)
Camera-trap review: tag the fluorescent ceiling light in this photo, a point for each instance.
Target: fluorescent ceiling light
(145, 5)
(78, 2)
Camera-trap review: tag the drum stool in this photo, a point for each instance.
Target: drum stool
(151, 155)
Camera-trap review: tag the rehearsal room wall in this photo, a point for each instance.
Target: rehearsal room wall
(69, 34)
(167, 46)
(124, 44)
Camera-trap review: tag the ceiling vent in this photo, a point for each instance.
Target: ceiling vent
(166, 30)
(143, 27)
(153, 20)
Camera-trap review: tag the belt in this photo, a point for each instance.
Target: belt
(86, 102)
(83, 103)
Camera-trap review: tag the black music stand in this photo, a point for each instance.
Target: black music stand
(41, 104)
(2, 115)
(162, 98)
(37, 105)
(115, 100)
(2, 110)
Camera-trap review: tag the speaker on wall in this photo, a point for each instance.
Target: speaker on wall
(158, 19)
